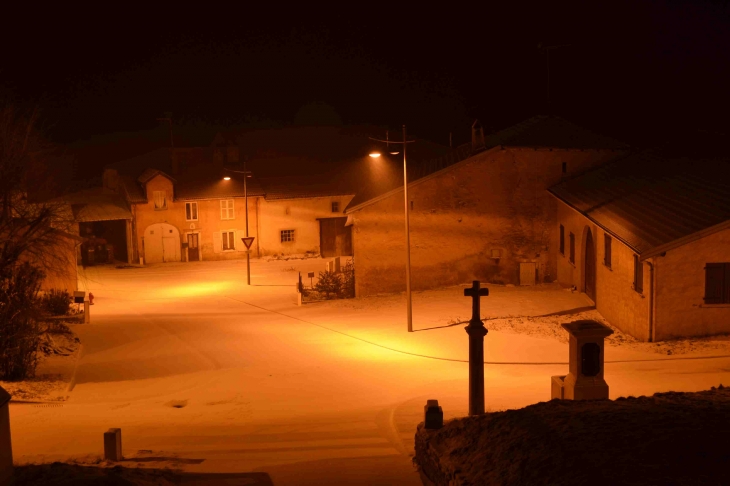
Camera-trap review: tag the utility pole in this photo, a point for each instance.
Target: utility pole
(547, 50)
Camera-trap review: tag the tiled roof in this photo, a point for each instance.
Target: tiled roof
(652, 199)
(536, 132)
(97, 204)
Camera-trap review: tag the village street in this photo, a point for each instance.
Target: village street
(205, 373)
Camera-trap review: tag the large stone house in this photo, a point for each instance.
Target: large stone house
(648, 239)
(481, 213)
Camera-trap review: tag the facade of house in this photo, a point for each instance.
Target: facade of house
(648, 239)
(487, 217)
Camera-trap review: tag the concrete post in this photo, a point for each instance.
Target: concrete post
(6, 449)
(584, 380)
(113, 445)
(87, 312)
(476, 331)
(337, 264)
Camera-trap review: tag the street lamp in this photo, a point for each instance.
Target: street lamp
(375, 154)
(246, 175)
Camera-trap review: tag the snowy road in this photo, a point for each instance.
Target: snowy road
(192, 364)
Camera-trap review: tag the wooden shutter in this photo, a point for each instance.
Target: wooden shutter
(638, 274)
(562, 239)
(572, 248)
(607, 250)
(217, 242)
(716, 283)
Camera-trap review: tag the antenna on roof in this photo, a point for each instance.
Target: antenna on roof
(547, 50)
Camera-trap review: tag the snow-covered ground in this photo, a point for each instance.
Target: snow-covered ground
(197, 367)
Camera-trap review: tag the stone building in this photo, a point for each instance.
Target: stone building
(648, 239)
(481, 213)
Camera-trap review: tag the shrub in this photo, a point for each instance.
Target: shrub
(19, 327)
(56, 302)
(330, 284)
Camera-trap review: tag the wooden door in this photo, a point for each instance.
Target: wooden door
(335, 239)
(193, 250)
(590, 267)
(527, 273)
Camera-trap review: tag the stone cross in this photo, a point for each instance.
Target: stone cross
(476, 331)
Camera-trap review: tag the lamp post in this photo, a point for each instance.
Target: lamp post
(246, 175)
(405, 142)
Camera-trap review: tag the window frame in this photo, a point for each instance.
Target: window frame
(291, 235)
(638, 284)
(230, 210)
(231, 239)
(722, 283)
(561, 243)
(164, 200)
(607, 250)
(189, 204)
(571, 257)
(335, 206)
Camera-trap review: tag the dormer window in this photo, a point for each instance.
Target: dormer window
(160, 200)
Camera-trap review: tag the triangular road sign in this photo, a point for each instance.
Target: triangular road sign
(248, 241)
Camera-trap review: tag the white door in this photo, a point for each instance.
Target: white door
(161, 243)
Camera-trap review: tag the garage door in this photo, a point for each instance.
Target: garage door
(161, 243)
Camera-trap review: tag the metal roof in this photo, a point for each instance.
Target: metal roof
(97, 204)
(649, 200)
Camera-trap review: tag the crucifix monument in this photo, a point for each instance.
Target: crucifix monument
(476, 331)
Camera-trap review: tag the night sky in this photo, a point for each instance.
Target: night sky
(635, 70)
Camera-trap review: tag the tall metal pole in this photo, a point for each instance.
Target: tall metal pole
(248, 250)
(408, 237)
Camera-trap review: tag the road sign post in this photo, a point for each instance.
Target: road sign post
(248, 241)
(476, 331)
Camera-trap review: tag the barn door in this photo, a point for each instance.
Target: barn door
(527, 273)
(334, 237)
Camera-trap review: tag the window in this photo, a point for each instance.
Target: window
(607, 250)
(717, 283)
(229, 240)
(565, 167)
(191, 211)
(335, 207)
(572, 248)
(562, 240)
(638, 274)
(227, 209)
(287, 235)
(160, 200)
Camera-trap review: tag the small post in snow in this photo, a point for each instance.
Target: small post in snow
(476, 331)
(113, 445)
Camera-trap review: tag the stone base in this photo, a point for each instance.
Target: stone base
(584, 389)
(557, 389)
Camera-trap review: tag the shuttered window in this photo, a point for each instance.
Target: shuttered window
(572, 248)
(717, 283)
(227, 209)
(562, 240)
(638, 274)
(607, 250)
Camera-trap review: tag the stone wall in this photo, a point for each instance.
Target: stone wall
(493, 203)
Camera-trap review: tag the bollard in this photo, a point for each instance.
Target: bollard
(6, 450)
(87, 312)
(113, 445)
(433, 415)
(299, 298)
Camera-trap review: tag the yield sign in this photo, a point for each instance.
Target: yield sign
(248, 241)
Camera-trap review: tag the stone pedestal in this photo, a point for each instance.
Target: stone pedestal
(584, 380)
(113, 445)
(6, 449)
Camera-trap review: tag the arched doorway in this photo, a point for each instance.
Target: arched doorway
(161, 243)
(590, 266)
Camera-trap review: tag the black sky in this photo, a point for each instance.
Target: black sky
(629, 68)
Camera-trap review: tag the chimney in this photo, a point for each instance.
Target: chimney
(477, 137)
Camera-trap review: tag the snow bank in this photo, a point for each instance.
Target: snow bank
(668, 438)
